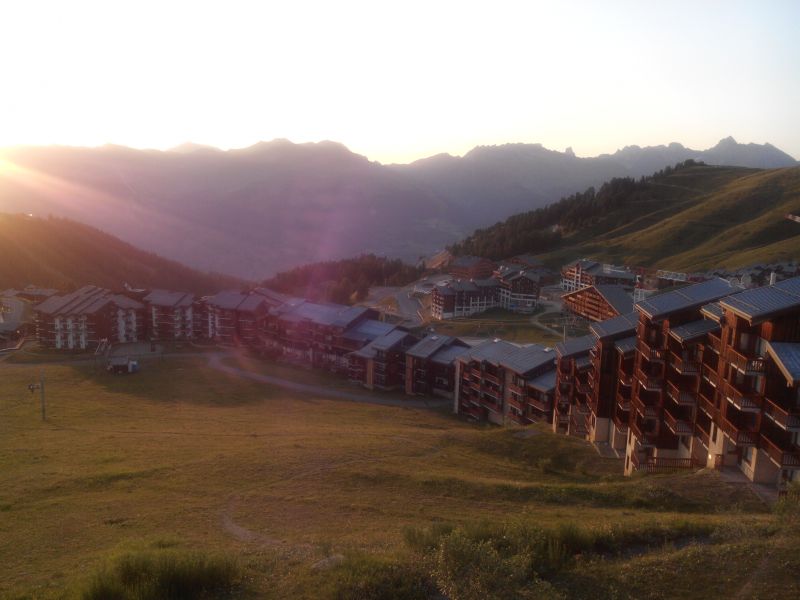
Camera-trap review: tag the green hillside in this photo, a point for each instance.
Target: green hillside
(690, 218)
(64, 254)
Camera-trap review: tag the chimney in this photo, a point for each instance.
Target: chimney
(773, 278)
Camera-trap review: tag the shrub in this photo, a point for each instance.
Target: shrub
(372, 578)
(166, 575)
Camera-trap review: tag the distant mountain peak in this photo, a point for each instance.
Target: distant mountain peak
(728, 141)
(189, 147)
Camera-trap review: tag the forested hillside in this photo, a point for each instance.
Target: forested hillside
(343, 281)
(64, 254)
(690, 216)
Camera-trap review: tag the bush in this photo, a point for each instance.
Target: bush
(372, 578)
(166, 575)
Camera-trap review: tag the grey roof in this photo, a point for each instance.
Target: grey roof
(575, 346)
(349, 315)
(623, 325)
(616, 295)
(448, 354)
(274, 298)
(252, 302)
(583, 362)
(429, 345)
(168, 298)
(321, 314)
(626, 345)
(368, 330)
(712, 311)
(382, 343)
(787, 357)
(520, 359)
(762, 302)
(544, 383)
(85, 301)
(694, 330)
(692, 296)
(12, 313)
(228, 299)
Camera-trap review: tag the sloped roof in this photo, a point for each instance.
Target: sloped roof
(692, 296)
(544, 383)
(759, 303)
(168, 298)
(520, 359)
(694, 330)
(382, 343)
(626, 345)
(448, 354)
(617, 297)
(575, 346)
(368, 330)
(85, 301)
(429, 345)
(227, 299)
(622, 325)
(712, 311)
(787, 357)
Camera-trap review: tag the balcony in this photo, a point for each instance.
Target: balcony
(620, 422)
(684, 367)
(540, 405)
(661, 464)
(516, 389)
(714, 342)
(647, 411)
(702, 435)
(783, 418)
(624, 378)
(649, 352)
(710, 375)
(749, 401)
(782, 456)
(577, 425)
(649, 382)
(516, 402)
(681, 397)
(623, 403)
(492, 378)
(748, 365)
(645, 439)
(676, 425)
(584, 388)
(706, 405)
(741, 435)
(472, 411)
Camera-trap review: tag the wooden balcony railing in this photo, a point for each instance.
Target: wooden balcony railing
(540, 405)
(661, 464)
(676, 425)
(516, 402)
(649, 352)
(684, 367)
(584, 388)
(681, 397)
(516, 389)
(714, 342)
(647, 411)
(706, 405)
(621, 421)
(788, 456)
(645, 439)
(624, 378)
(493, 378)
(623, 403)
(786, 419)
(739, 434)
(474, 411)
(702, 435)
(746, 364)
(745, 401)
(649, 382)
(711, 375)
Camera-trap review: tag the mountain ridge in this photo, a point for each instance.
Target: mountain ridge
(266, 208)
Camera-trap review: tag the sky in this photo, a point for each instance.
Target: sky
(397, 81)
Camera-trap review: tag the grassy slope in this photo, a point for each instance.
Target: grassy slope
(178, 456)
(65, 254)
(709, 217)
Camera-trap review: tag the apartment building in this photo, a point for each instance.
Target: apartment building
(599, 302)
(460, 298)
(470, 267)
(82, 319)
(573, 365)
(381, 364)
(586, 272)
(504, 383)
(172, 315)
(431, 365)
(659, 428)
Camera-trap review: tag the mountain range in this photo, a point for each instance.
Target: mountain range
(254, 211)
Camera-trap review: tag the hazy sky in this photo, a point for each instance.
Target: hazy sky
(400, 80)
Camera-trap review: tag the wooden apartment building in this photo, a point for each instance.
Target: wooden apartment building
(431, 365)
(599, 302)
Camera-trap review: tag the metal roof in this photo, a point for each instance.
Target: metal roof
(368, 330)
(520, 359)
(712, 311)
(544, 383)
(622, 325)
(694, 330)
(787, 357)
(227, 299)
(85, 301)
(168, 298)
(574, 346)
(448, 355)
(583, 362)
(617, 297)
(429, 345)
(626, 345)
(12, 313)
(692, 296)
(759, 303)
(382, 343)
